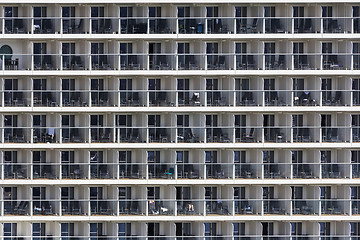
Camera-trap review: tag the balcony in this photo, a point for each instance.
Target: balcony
(101, 171)
(132, 62)
(334, 170)
(336, 61)
(189, 170)
(276, 61)
(277, 25)
(275, 206)
(191, 62)
(306, 98)
(46, 98)
(189, 207)
(184, 62)
(192, 170)
(46, 25)
(161, 98)
(276, 98)
(276, 171)
(245, 207)
(161, 207)
(305, 207)
(16, 98)
(103, 25)
(104, 62)
(132, 207)
(74, 62)
(132, 170)
(335, 207)
(73, 207)
(307, 61)
(133, 98)
(220, 25)
(307, 25)
(161, 171)
(191, 25)
(218, 207)
(16, 135)
(71, 25)
(73, 171)
(45, 207)
(276, 134)
(336, 25)
(103, 207)
(335, 134)
(189, 135)
(306, 170)
(248, 134)
(16, 170)
(162, 25)
(133, 25)
(16, 207)
(45, 135)
(45, 62)
(181, 25)
(219, 62)
(73, 134)
(131, 134)
(246, 170)
(161, 61)
(161, 134)
(72, 98)
(219, 134)
(45, 171)
(248, 25)
(305, 134)
(248, 62)
(174, 134)
(102, 134)
(17, 25)
(218, 171)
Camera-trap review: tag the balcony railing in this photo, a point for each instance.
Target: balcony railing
(180, 134)
(179, 98)
(187, 236)
(181, 62)
(181, 25)
(168, 170)
(179, 207)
